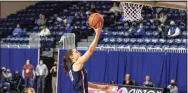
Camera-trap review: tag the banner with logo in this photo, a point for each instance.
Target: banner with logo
(128, 89)
(135, 89)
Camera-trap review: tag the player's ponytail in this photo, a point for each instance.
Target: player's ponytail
(65, 65)
(67, 60)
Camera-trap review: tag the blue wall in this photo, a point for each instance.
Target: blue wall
(105, 66)
(16, 58)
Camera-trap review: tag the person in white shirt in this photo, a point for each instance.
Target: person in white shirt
(44, 32)
(115, 8)
(173, 88)
(41, 72)
(174, 31)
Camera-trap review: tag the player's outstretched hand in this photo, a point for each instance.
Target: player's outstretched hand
(98, 29)
(106, 88)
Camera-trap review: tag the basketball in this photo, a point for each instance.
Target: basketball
(94, 19)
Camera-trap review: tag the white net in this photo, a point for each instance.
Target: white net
(132, 12)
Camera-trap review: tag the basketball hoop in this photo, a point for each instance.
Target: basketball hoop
(132, 12)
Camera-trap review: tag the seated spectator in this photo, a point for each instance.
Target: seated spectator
(115, 13)
(140, 32)
(2, 79)
(173, 88)
(127, 80)
(115, 8)
(16, 80)
(68, 28)
(91, 9)
(132, 29)
(174, 31)
(17, 31)
(66, 20)
(162, 31)
(7, 76)
(148, 83)
(44, 32)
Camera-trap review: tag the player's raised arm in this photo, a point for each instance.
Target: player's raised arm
(91, 48)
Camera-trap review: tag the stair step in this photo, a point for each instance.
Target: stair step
(83, 44)
(90, 40)
(83, 40)
(91, 37)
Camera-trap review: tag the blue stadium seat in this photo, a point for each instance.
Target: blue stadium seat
(119, 40)
(147, 40)
(177, 41)
(126, 40)
(112, 40)
(133, 40)
(157, 46)
(140, 40)
(106, 40)
(162, 41)
(169, 41)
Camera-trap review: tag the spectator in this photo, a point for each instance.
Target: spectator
(7, 75)
(16, 80)
(68, 28)
(53, 70)
(140, 32)
(161, 18)
(162, 31)
(17, 31)
(41, 72)
(28, 74)
(41, 21)
(115, 8)
(115, 13)
(66, 20)
(174, 31)
(132, 28)
(44, 32)
(91, 9)
(148, 83)
(173, 88)
(127, 80)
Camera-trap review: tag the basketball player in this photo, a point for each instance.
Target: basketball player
(74, 66)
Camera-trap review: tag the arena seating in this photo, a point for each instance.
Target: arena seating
(117, 36)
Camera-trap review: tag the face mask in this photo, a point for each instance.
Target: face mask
(40, 62)
(173, 84)
(27, 63)
(172, 25)
(141, 26)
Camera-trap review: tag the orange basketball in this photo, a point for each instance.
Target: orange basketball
(94, 19)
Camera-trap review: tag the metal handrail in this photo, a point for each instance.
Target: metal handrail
(137, 49)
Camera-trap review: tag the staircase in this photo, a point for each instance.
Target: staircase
(85, 42)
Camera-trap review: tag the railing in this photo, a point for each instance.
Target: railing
(19, 46)
(128, 49)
